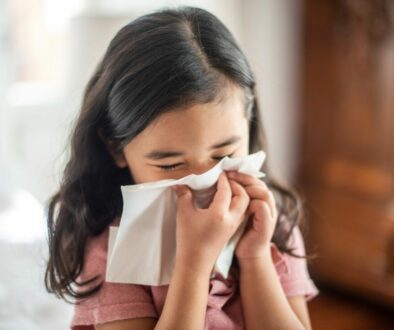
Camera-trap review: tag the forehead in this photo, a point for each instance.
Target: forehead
(197, 126)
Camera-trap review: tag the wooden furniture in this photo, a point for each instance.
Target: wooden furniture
(347, 170)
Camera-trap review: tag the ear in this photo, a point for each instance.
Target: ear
(117, 156)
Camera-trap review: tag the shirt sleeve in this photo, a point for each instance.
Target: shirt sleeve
(293, 272)
(114, 301)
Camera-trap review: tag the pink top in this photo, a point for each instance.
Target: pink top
(116, 301)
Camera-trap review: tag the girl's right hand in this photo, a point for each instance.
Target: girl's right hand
(201, 234)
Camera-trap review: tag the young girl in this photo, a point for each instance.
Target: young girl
(173, 95)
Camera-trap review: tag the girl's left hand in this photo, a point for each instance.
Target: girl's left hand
(261, 216)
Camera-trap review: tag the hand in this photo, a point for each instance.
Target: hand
(262, 217)
(201, 234)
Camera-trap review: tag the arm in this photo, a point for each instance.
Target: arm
(264, 303)
(186, 301)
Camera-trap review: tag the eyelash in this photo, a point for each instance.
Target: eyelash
(173, 166)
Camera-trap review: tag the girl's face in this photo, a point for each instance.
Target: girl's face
(181, 142)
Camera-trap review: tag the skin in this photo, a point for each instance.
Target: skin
(200, 136)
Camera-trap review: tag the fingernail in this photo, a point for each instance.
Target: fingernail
(231, 174)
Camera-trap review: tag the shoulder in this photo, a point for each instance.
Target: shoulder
(113, 301)
(292, 271)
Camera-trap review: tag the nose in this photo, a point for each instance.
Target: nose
(193, 168)
(202, 167)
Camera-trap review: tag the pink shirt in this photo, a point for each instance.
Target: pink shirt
(116, 301)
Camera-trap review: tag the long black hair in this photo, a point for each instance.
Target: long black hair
(161, 61)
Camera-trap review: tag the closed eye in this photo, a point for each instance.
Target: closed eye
(174, 166)
(219, 158)
(169, 167)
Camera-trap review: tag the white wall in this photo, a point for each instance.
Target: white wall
(271, 39)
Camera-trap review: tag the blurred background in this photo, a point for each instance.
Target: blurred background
(325, 75)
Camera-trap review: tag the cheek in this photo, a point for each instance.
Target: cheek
(247, 140)
(243, 149)
(243, 131)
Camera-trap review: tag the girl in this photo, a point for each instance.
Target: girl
(173, 95)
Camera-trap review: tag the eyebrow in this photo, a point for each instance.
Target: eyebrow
(159, 154)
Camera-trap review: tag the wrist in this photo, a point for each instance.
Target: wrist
(260, 260)
(193, 267)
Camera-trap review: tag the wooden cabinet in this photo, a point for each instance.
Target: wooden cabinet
(347, 170)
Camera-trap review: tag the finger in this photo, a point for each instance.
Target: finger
(261, 214)
(258, 191)
(222, 199)
(260, 209)
(184, 195)
(272, 203)
(244, 179)
(240, 199)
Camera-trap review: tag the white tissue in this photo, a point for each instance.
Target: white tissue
(142, 249)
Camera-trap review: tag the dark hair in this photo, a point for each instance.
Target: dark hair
(160, 61)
